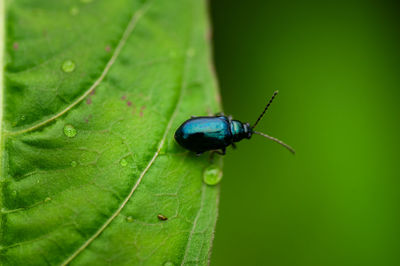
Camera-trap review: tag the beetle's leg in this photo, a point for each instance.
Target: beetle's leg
(233, 145)
(221, 152)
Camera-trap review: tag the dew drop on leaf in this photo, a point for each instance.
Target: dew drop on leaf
(69, 131)
(74, 163)
(212, 175)
(68, 66)
(129, 219)
(123, 162)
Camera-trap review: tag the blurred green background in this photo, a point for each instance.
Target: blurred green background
(336, 64)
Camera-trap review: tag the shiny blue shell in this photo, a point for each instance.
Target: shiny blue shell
(207, 133)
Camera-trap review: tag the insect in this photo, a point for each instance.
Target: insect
(215, 133)
(162, 217)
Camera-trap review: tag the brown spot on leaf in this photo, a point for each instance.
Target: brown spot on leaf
(93, 92)
(108, 48)
(88, 100)
(88, 118)
(15, 46)
(141, 110)
(123, 97)
(129, 103)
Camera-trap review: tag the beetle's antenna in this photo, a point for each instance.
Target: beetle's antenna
(276, 140)
(265, 109)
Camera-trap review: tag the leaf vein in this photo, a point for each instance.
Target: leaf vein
(131, 26)
(192, 232)
(143, 173)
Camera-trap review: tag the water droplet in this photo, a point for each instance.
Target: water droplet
(123, 162)
(74, 164)
(129, 219)
(47, 199)
(68, 66)
(168, 263)
(212, 175)
(69, 131)
(74, 11)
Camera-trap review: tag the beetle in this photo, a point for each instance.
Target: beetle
(215, 133)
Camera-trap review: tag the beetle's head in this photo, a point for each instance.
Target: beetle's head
(240, 130)
(247, 130)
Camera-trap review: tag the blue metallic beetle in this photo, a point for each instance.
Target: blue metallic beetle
(213, 133)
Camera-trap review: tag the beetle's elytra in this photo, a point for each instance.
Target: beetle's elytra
(211, 133)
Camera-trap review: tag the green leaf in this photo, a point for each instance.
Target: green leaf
(92, 93)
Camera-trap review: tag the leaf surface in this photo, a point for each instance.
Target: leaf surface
(92, 92)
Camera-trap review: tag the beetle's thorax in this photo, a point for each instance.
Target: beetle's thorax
(240, 131)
